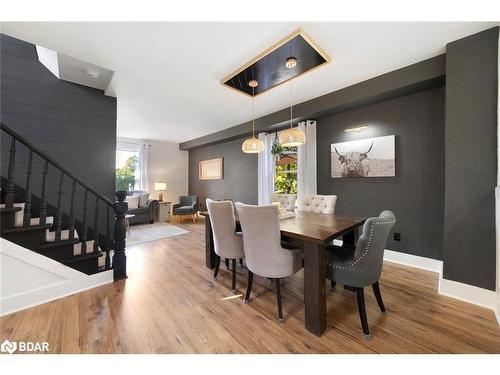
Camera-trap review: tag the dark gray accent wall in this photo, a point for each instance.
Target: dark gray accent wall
(471, 159)
(240, 173)
(416, 194)
(74, 124)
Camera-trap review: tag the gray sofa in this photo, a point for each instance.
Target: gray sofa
(143, 215)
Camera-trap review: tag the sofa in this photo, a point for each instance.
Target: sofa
(144, 213)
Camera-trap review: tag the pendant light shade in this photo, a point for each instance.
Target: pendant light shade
(252, 145)
(291, 137)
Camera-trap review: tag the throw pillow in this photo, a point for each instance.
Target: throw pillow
(143, 200)
(133, 201)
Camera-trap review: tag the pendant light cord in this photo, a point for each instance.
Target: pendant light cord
(291, 105)
(253, 112)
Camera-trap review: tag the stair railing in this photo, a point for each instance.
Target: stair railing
(118, 208)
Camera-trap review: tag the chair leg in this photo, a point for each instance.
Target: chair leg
(233, 282)
(378, 296)
(249, 287)
(217, 265)
(278, 296)
(362, 312)
(241, 262)
(227, 263)
(332, 284)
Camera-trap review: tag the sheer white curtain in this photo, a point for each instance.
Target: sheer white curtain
(266, 169)
(143, 170)
(306, 161)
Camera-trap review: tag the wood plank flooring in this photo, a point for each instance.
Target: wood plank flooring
(170, 304)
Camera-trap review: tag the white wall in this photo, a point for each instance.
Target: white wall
(167, 164)
(28, 278)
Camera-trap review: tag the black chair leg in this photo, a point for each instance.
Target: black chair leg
(332, 284)
(278, 296)
(249, 287)
(241, 262)
(378, 296)
(233, 284)
(227, 263)
(217, 265)
(362, 312)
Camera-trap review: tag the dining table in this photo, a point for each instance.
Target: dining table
(312, 232)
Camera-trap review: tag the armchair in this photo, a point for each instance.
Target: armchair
(188, 205)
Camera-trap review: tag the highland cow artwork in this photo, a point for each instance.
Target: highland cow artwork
(370, 157)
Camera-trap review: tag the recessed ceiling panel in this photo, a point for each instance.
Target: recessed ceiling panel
(269, 68)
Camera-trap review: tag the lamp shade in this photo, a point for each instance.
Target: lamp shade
(160, 186)
(292, 137)
(252, 146)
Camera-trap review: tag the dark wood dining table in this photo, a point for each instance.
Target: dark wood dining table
(311, 232)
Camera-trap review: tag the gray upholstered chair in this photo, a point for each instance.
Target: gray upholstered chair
(264, 254)
(364, 266)
(188, 205)
(227, 244)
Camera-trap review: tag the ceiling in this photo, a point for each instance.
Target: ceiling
(167, 75)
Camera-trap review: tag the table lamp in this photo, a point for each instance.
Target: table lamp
(160, 187)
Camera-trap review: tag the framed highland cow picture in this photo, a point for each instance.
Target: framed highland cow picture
(370, 157)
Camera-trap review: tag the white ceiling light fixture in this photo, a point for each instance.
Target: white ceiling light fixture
(292, 136)
(253, 145)
(91, 73)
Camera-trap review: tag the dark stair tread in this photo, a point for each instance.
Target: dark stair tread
(81, 258)
(27, 229)
(10, 209)
(50, 245)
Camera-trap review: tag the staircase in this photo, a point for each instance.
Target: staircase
(74, 238)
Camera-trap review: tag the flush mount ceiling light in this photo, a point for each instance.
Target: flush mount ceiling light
(91, 73)
(253, 145)
(292, 136)
(291, 62)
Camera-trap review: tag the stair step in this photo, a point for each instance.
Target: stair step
(80, 258)
(36, 220)
(19, 214)
(10, 209)
(51, 245)
(77, 248)
(27, 229)
(51, 235)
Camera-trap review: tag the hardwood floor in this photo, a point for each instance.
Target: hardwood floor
(170, 304)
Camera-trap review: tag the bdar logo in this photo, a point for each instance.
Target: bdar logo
(8, 347)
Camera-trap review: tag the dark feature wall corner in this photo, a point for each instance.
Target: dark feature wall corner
(240, 174)
(74, 124)
(471, 159)
(416, 194)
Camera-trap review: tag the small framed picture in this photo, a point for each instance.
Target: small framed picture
(212, 169)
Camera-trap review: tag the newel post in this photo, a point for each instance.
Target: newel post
(119, 256)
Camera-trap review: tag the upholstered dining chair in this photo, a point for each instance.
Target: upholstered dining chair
(320, 204)
(364, 266)
(264, 254)
(188, 205)
(227, 244)
(286, 200)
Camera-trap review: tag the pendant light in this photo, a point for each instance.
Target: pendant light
(253, 145)
(293, 136)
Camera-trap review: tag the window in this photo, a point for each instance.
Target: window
(285, 171)
(127, 163)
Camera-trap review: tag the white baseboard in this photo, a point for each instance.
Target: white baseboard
(468, 293)
(415, 261)
(66, 288)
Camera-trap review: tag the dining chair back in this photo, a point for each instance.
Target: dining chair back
(286, 201)
(320, 204)
(227, 244)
